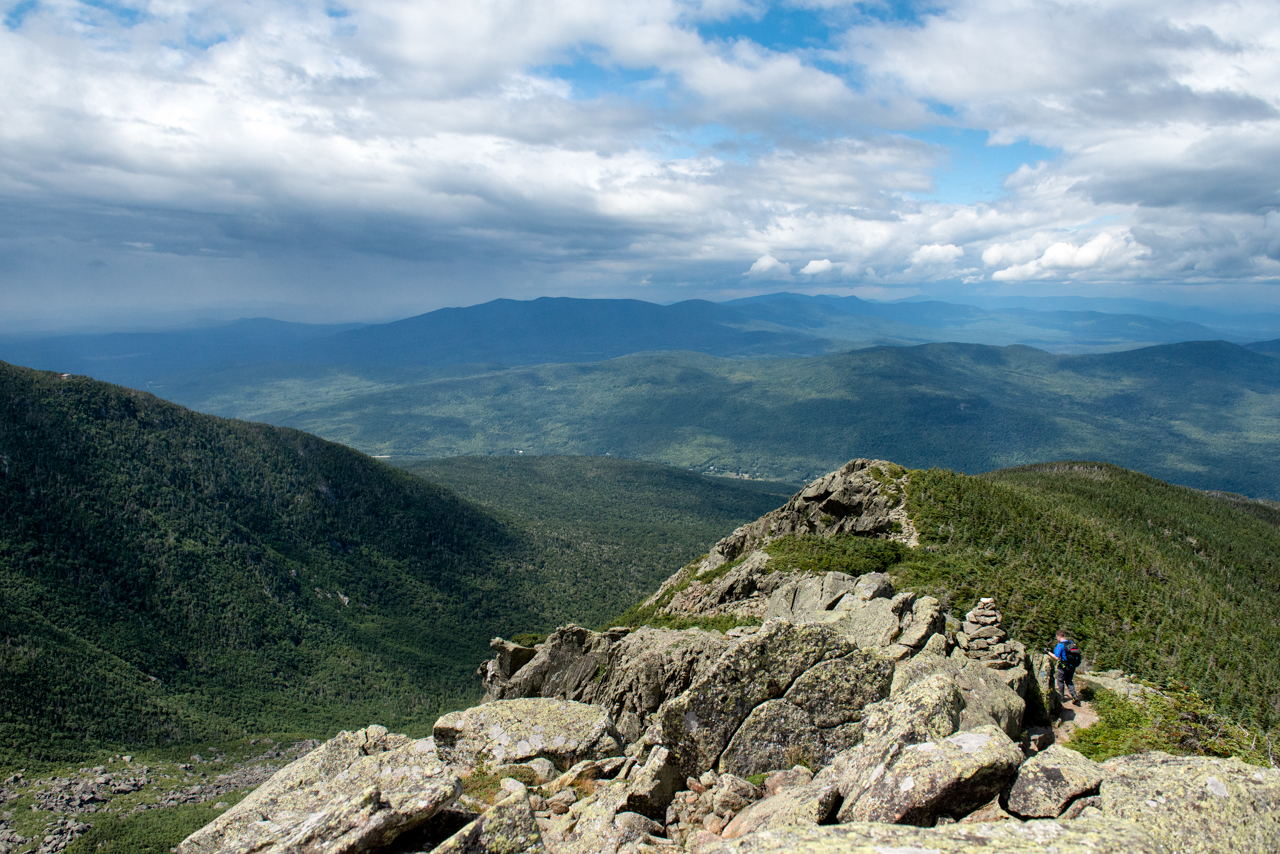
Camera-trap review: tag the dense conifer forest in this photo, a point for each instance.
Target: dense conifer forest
(172, 576)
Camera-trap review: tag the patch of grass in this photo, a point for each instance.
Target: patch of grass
(485, 783)
(529, 638)
(148, 831)
(846, 553)
(1175, 720)
(711, 624)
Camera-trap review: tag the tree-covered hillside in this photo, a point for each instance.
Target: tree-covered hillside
(168, 575)
(1158, 580)
(637, 519)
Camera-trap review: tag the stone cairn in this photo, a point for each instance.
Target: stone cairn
(982, 639)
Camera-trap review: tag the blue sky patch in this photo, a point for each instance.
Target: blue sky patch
(591, 80)
(975, 171)
(780, 29)
(126, 16)
(13, 20)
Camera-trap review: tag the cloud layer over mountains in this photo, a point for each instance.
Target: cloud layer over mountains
(399, 156)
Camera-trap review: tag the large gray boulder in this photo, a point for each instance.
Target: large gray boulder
(988, 699)
(508, 827)
(1082, 836)
(812, 803)
(509, 731)
(865, 609)
(918, 783)
(921, 710)
(1196, 804)
(700, 723)
(819, 716)
(356, 792)
(1049, 781)
(559, 667)
(630, 673)
(924, 711)
(600, 824)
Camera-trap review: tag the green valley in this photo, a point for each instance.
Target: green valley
(1203, 414)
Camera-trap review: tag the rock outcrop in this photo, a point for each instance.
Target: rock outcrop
(357, 792)
(840, 716)
(1195, 804)
(1050, 781)
(1092, 836)
(561, 731)
(631, 674)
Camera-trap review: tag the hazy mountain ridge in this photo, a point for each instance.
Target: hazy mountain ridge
(559, 330)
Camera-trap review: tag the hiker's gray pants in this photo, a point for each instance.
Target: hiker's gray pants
(1066, 681)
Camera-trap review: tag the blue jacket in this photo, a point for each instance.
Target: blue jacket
(1060, 652)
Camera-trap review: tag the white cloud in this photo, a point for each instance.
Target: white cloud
(935, 254)
(1060, 259)
(569, 146)
(768, 267)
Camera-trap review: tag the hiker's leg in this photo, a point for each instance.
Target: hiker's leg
(1060, 677)
(1071, 683)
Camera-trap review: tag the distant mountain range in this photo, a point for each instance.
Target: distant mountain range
(562, 330)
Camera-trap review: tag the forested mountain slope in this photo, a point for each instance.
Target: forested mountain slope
(1167, 582)
(168, 575)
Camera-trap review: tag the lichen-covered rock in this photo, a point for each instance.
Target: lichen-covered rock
(920, 782)
(508, 827)
(560, 667)
(1196, 804)
(812, 803)
(650, 666)
(924, 621)
(655, 784)
(921, 710)
(743, 591)
(988, 699)
(819, 716)
(587, 771)
(835, 692)
(600, 824)
(774, 735)
(1042, 671)
(699, 723)
(629, 673)
(357, 791)
(507, 731)
(1084, 836)
(508, 659)
(1050, 780)
(875, 623)
(865, 609)
(809, 598)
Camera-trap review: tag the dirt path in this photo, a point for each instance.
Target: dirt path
(1075, 716)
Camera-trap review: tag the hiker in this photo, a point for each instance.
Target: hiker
(1069, 658)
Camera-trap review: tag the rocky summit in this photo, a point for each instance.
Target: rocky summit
(835, 713)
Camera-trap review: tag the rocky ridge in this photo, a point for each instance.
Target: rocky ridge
(850, 719)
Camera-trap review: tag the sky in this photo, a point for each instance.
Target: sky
(327, 161)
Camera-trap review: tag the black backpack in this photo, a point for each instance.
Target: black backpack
(1073, 657)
